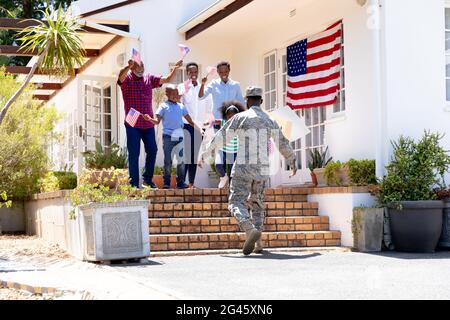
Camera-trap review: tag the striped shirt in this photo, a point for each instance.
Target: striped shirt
(231, 147)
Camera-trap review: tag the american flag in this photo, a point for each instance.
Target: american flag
(184, 50)
(132, 117)
(135, 55)
(314, 69)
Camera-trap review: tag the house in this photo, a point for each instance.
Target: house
(395, 73)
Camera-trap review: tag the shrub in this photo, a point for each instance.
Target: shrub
(415, 169)
(362, 172)
(106, 158)
(58, 180)
(23, 136)
(331, 173)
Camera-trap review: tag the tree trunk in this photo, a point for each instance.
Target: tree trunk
(27, 9)
(23, 86)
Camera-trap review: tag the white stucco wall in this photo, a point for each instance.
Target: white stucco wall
(415, 69)
(339, 208)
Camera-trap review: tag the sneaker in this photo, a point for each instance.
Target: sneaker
(252, 236)
(223, 182)
(150, 185)
(258, 247)
(166, 187)
(184, 186)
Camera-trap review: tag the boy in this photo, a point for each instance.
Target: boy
(171, 114)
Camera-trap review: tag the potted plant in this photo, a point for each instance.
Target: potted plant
(316, 165)
(337, 174)
(444, 195)
(367, 229)
(110, 224)
(158, 177)
(414, 210)
(106, 165)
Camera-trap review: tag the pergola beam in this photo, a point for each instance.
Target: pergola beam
(19, 24)
(25, 70)
(42, 97)
(19, 51)
(48, 86)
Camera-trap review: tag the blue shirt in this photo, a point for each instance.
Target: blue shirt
(172, 114)
(222, 92)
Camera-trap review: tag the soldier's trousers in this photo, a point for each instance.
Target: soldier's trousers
(248, 192)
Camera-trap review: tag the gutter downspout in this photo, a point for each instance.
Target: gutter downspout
(379, 43)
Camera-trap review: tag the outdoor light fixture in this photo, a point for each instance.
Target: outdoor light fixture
(362, 3)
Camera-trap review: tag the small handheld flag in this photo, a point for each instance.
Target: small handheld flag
(210, 70)
(132, 117)
(184, 50)
(135, 56)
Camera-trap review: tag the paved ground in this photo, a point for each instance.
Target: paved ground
(301, 276)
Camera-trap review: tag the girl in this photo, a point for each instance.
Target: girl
(226, 156)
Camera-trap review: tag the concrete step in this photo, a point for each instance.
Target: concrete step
(210, 210)
(214, 241)
(208, 225)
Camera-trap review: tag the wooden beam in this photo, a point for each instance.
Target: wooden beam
(43, 97)
(18, 51)
(217, 17)
(107, 8)
(48, 86)
(25, 70)
(19, 24)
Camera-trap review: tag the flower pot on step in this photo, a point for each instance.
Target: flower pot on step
(320, 175)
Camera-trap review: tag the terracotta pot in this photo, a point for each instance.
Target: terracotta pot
(314, 178)
(159, 181)
(320, 176)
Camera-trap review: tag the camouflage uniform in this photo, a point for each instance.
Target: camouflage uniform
(251, 170)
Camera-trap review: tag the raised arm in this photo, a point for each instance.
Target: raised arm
(169, 78)
(123, 73)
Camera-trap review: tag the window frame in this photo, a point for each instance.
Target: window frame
(446, 56)
(273, 72)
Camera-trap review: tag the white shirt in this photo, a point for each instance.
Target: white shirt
(199, 110)
(222, 92)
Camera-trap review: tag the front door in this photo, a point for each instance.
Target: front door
(97, 114)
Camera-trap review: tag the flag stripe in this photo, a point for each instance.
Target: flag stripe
(310, 101)
(325, 66)
(324, 53)
(314, 81)
(324, 60)
(324, 40)
(313, 105)
(313, 94)
(317, 87)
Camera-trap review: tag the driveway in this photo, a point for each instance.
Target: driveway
(324, 275)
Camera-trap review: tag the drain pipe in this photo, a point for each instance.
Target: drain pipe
(377, 9)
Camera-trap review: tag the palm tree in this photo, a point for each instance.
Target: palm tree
(60, 48)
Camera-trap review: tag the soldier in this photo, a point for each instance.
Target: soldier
(251, 173)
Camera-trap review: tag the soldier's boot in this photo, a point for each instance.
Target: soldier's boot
(258, 247)
(252, 236)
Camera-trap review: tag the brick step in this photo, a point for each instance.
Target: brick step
(174, 198)
(224, 192)
(213, 241)
(201, 225)
(205, 210)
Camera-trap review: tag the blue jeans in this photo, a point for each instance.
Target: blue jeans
(223, 160)
(134, 137)
(192, 144)
(173, 146)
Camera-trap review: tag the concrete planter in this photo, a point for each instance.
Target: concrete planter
(367, 229)
(444, 241)
(320, 174)
(12, 219)
(114, 231)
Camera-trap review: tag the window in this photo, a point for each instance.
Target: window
(447, 50)
(339, 106)
(270, 79)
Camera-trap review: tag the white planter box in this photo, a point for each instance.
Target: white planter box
(114, 231)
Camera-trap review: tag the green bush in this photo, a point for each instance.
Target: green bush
(362, 172)
(106, 158)
(415, 169)
(58, 180)
(24, 133)
(331, 173)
